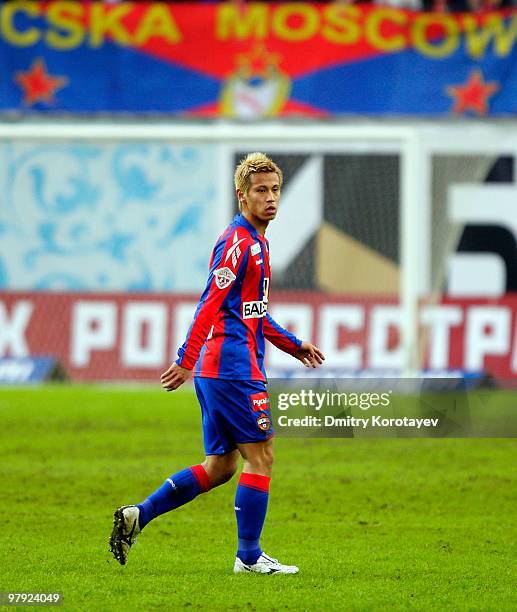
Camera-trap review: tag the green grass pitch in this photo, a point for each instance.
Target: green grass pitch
(372, 523)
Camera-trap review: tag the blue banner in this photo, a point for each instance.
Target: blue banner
(255, 60)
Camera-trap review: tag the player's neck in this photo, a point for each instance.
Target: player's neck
(258, 224)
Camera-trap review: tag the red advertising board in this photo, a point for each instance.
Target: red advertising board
(135, 337)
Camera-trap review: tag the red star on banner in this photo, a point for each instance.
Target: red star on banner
(38, 85)
(259, 61)
(473, 95)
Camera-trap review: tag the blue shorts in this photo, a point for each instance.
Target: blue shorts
(234, 412)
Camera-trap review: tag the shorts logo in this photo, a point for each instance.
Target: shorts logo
(264, 422)
(224, 277)
(254, 310)
(259, 401)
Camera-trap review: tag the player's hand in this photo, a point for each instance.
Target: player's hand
(174, 377)
(310, 355)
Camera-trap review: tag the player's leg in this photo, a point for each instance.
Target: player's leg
(258, 457)
(221, 468)
(251, 501)
(180, 488)
(185, 485)
(251, 498)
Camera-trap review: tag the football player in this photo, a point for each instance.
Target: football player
(224, 351)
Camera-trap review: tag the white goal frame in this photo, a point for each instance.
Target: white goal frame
(404, 139)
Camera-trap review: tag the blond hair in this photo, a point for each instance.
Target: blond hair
(254, 163)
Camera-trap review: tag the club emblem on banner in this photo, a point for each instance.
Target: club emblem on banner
(257, 88)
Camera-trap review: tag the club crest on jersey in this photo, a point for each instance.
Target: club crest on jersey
(254, 310)
(259, 401)
(224, 277)
(264, 422)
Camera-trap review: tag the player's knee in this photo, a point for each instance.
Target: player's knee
(268, 457)
(261, 464)
(226, 475)
(226, 471)
(219, 470)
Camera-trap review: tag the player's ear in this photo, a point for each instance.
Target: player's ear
(240, 198)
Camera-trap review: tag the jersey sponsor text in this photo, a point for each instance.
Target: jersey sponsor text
(259, 401)
(254, 310)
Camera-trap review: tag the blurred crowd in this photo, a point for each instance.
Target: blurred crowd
(445, 6)
(440, 6)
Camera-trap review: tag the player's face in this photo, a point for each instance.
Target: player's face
(263, 196)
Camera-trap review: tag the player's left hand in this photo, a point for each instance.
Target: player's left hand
(174, 377)
(310, 355)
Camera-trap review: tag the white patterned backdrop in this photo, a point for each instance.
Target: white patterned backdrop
(86, 216)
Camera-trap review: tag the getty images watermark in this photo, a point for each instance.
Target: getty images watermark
(387, 408)
(362, 401)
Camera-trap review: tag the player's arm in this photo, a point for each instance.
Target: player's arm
(228, 264)
(309, 354)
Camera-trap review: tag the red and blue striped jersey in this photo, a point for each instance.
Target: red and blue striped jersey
(226, 337)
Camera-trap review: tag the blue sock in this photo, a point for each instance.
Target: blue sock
(177, 490)
(250, 508)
